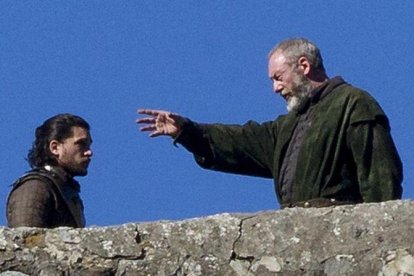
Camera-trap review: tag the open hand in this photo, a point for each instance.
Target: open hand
(161, 122)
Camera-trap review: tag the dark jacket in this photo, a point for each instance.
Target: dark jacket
(45, 197)
(347, 153)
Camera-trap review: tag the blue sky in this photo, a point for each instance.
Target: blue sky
(206, 60)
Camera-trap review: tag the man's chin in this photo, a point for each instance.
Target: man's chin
(79, 172)
(292, 104)
(296, 103)
(84, 173)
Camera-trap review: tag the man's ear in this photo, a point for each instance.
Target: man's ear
(304, 65)
(54, 147)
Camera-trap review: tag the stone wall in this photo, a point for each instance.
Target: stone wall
(366, 239)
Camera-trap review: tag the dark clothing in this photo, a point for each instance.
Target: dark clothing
(45, 197)
(337, 146)
(288, 167)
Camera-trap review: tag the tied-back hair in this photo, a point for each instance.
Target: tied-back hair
(57, 128)
(295, 48)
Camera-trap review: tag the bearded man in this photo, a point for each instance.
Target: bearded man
(333, 147)
(48, 195)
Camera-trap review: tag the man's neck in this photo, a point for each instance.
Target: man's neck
(59, 170)
(318, 79)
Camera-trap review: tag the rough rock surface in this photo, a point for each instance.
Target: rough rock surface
(365, 239)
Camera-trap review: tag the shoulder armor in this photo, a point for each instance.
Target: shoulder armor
(36, 173)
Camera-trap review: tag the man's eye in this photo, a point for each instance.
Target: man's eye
(82, 144)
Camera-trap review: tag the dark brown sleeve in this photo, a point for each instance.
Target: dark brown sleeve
(243, 149)
(192, 138)
(31, 204)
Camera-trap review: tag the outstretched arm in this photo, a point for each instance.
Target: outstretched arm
(230, 148)
(161, 122)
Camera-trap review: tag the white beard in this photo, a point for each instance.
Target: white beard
(302, 89)
(292, 103)
(296, 102)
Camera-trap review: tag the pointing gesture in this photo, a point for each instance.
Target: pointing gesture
(161, 122)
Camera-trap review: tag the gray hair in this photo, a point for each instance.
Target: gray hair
(295, 48)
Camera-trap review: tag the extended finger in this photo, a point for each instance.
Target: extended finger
(148, 128)
(147, 120)
(152, 112)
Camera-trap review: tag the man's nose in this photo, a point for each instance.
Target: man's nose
(277, 87)
(89, 153)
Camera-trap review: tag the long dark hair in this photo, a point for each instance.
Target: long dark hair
(57, 128)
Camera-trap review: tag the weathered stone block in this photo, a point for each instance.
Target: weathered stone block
(364, 239)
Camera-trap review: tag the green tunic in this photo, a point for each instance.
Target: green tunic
(346, 154)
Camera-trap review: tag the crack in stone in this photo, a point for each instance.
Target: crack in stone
(138, 240)
(234, 256)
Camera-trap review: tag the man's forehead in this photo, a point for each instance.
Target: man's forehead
(277, 63)
(277, 58)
